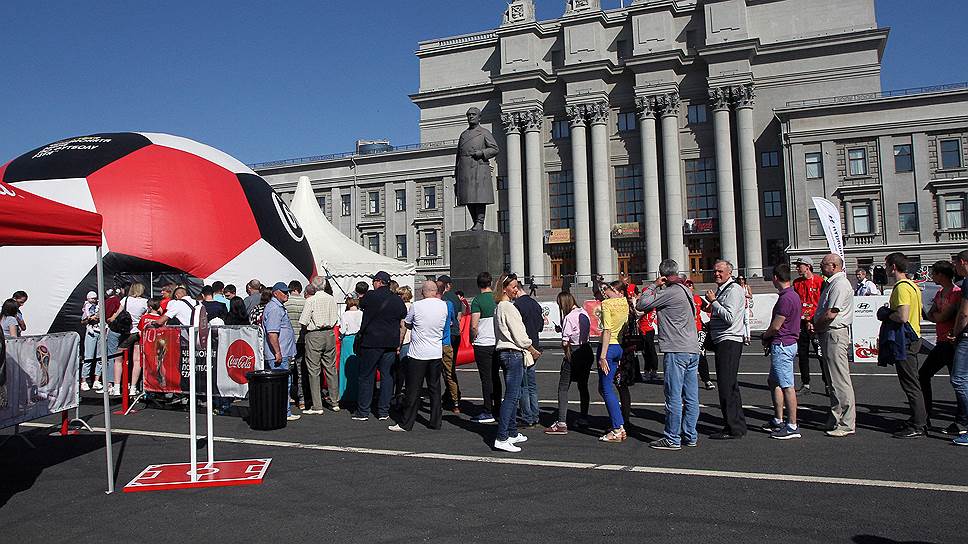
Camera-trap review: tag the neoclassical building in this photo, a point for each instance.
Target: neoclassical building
(627, 135)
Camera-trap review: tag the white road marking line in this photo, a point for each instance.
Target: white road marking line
(668, 471)
(662, 405)
(712, 373)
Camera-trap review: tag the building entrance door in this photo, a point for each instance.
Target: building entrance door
(695, 266)
(560, 267)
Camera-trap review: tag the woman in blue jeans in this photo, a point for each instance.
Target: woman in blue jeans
(615, 313)
(514, 350)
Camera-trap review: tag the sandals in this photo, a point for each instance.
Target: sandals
(615, 435)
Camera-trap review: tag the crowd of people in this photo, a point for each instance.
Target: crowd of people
(393, 348)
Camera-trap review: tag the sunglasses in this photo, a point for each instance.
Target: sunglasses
(509, 279)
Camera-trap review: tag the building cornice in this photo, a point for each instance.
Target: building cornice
(452, 92)
(878, 34)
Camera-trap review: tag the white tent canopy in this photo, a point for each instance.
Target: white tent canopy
(345, 261)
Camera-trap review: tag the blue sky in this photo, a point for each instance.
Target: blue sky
(274, 80)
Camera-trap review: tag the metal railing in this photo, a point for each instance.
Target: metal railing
(348, 154)
(863, 97)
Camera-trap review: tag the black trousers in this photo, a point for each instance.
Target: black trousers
(648, 351)
(704, 369)
(488, 368)
(942, 356)
(728, 354)
(804, 343)
(576, 371)
(418, 371)
(907, 375)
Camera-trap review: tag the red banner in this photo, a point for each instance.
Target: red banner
(161, 357)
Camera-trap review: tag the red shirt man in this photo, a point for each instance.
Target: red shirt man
(807, 286)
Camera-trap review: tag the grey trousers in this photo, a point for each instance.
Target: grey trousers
(835, 347)
(321, 352)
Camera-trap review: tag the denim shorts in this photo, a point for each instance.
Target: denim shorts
(781, 364)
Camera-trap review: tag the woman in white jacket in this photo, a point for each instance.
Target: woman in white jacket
(515, 352)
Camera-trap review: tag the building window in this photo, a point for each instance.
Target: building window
(950, 154)
(373, 243)
(860, 215)
(701, 199)
(430, 243)
(401, 246)
(561, 199)
(697, 114)
(373, 202)
(503, 221)
(770, 159)
(902, 158)
(622, 49)
(347, 205)
(816, 228)
(907, 215)
(858, 161)
(401, 200)
(771, 204)
(627, 122)
(321, 200)
(502, 183)
(560, 130)
(814, 165)
(629, 199)
(692, 39)
(430, 197)
(954, 213)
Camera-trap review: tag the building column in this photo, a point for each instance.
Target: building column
(598, 115)
(515, 194)
(728, 245)
(579, 169)
(533, 121)
(650, 184)
(752, 243)
(668, 107)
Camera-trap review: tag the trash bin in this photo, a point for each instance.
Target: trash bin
(268, 399)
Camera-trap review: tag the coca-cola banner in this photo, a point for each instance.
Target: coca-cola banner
(41, 377)
(240, 350)
(161, 360)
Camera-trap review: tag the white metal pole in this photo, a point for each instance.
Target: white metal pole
(208, 397)
(103, 347)
(193, 472)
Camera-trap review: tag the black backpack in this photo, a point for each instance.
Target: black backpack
(122, 323)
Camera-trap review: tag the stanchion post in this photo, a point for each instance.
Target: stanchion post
(125, 386)
(193, 435)
(208, 398)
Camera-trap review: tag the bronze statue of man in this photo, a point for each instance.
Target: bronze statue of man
(473, 186)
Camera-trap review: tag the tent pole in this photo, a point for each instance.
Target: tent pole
(103, 347)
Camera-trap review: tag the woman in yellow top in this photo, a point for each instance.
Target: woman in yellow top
(615, 312)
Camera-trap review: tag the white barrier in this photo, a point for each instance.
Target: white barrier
(42, 377)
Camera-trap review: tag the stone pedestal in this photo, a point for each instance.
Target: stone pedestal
(473, 252)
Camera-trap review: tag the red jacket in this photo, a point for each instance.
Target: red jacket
(809, 291)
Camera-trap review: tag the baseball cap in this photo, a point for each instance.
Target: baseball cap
(280, 286)
(803, 260)
(382, 276)
(91, 294)
(444, 278)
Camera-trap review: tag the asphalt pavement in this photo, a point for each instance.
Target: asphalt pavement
(346, 481)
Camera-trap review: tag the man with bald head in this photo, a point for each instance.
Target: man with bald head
(832, 320)
(426, 320)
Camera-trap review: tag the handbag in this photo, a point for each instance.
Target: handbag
(122, 322)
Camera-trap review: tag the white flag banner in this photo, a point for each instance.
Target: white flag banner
(829, 216)
(42, 377)
(239, 351)
(552, 319)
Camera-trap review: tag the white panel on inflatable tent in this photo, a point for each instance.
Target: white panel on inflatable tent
(218, 157)
(347, 261)
(259, 261)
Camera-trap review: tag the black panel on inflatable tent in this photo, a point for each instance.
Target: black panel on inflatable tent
(118, 269)
(76, 157)
(277, 224)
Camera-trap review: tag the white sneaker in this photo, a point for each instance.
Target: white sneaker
(506, 445)
(312, 411)
(518, 439)
(115, 390)
(132, 391)
(98, 386)
(85, 386)
(292, 417)
(397, 428)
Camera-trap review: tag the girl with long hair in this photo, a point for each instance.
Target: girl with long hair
(577, 362)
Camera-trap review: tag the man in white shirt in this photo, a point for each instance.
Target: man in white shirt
(865, 287)
(318, 317)
(426, 319)
(181, 310)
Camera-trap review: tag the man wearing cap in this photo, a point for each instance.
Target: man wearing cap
(379, 344)
(807, 287)
(280, 337)
(445, 286)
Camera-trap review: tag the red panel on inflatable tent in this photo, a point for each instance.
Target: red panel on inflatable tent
(29, 220)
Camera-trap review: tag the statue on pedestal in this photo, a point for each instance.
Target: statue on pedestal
(473, 183)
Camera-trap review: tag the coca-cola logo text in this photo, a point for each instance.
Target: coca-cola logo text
(239, 360)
